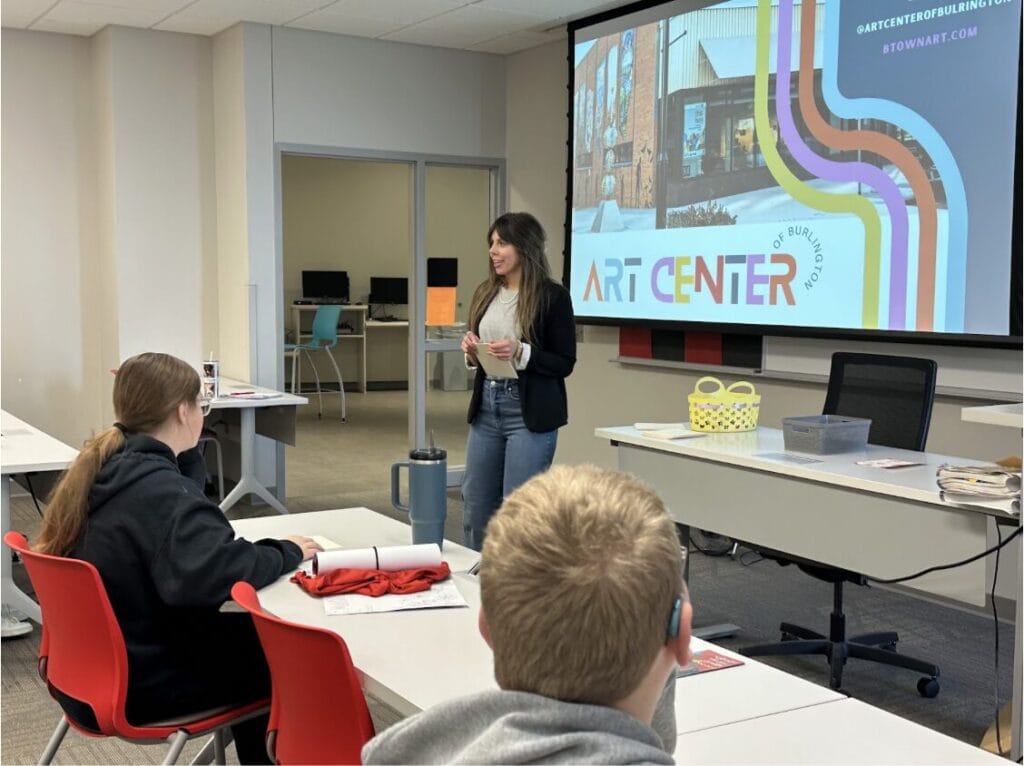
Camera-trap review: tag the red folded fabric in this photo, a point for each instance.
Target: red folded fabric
(371, 582)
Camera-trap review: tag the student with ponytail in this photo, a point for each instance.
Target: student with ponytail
(132, 504)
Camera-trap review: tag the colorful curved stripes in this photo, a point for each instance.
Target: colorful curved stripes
(891, 150)
(954, 274)
(804, 193)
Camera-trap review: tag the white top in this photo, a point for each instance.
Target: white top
(234, 396)
(1009, 415)
(24, 448)
(499, 322)
(843, 732)
(763, 450)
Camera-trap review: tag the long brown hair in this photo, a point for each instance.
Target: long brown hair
(147, 390)
(524, 232)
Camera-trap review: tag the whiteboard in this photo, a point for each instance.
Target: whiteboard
(984, 370)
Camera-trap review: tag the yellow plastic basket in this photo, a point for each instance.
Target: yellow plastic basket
(724, 409)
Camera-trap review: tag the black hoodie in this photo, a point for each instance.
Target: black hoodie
(168, 559)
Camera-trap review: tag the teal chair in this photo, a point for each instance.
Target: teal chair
(324, 338)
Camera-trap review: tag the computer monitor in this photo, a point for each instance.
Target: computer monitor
(389, 290)
(442, 272)
(330, 285)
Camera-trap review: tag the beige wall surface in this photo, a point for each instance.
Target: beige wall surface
(345, 215)
(332, 90)
(535, 147)
(108, 207)
(51, 336)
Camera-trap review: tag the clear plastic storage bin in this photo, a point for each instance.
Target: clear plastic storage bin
(825, 434)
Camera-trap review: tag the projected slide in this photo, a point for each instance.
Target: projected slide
(839, 164)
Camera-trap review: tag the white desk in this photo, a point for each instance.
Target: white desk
(412, 660)
(832, 511)
(884, 523)
(1009, 415)
(24, 449)
(844, 732)
(408, 660)
(751, 690)
(278, 403)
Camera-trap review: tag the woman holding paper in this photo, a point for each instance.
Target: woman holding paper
(132, 504)
(522, 340)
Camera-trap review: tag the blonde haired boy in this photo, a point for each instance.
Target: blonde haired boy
(584, 605)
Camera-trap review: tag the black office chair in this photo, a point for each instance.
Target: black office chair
(896, 393)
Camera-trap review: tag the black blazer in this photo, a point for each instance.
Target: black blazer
(552, 358)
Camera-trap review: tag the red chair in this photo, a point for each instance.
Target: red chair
(318, 713)
(82, 655)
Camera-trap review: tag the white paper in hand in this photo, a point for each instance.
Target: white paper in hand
(494, 367)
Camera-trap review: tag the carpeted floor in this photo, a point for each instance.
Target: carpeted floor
(342, 465)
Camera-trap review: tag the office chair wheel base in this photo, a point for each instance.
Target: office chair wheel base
(928, 687)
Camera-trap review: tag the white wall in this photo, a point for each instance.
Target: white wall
(50, 331)
(331, 90)
(165, 216)
(537, 129)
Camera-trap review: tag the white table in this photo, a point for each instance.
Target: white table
(751, 690)
(833, 511)
(408, 660)
(412, 660)
(247, 406)
(24, 449)
(843, 732)
(1009, 415)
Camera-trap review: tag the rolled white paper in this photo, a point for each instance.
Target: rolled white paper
(388, 557)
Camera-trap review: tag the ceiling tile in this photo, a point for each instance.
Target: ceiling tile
(443, 38)
(163, 7)
(400, 13)
(480, 23)
(555, 11)
(97, 15)
(18, 14)
(344, 25)
(212, 16)
(514, 43)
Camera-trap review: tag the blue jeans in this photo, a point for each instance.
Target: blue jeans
(501, 454)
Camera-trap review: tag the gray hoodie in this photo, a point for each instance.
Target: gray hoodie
(517, 728)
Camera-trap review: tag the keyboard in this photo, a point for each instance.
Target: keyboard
(321, 302)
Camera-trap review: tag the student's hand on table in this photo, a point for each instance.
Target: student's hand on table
(503, 349)
(469, 341)
(307, 545)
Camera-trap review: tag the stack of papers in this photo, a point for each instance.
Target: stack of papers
(667, 430)
(987, 486)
